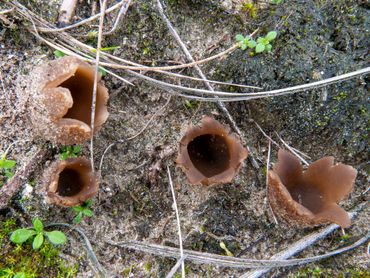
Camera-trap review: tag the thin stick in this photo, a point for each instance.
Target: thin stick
(82, 22)
(66, 11)
(175, 267)
(267, 181)
(8, 190)
(226, 261)
(150, 120)
(6, 11)
(135, 135)
(264, 134)
(291, 149)
(96, 76)
(121, 13)
(304, 243)
(178, 221)
(220, 105)
(98, 268)
(234, 96)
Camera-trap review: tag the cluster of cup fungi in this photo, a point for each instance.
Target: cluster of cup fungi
(209, 154)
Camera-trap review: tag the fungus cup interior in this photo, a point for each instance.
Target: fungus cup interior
(80, 84)
(70, 182)
(317, 189)
(74, 179)
(210, 154)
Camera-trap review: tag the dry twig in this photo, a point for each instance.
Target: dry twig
(67, 10)
(306, 242)
(178, 222)
(96, 76)
(98, 268)
(8, 190)
(267, 181)
(121, 13)
(188, 55)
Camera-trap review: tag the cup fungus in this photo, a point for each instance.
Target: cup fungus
(310, 197)
(209, 154)
(70, 182)
(62, 96)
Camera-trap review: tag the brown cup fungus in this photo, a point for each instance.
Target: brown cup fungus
(62, 96)
(209, 154)
(309, 198)
(70, 182)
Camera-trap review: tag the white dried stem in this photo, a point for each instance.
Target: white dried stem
(96, 77)
(292, 150)
(121, 13)
(267, 181)
(178, 222)
(304, 243)
(66, 12)
(188, 55)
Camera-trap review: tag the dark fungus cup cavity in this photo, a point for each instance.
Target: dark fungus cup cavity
(311, 197)
(209, 154)
(70, 182)
(61, 93)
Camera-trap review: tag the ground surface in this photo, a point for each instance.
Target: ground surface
(316, 40)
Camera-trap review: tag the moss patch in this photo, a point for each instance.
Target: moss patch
(16, 259)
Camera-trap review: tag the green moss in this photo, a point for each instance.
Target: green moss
(250, 8)
(22, 258)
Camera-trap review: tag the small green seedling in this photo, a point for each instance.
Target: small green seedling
(108, 48)
(37, 233)
(59, 54)
(191, 104)
(20, 275)
(245, 42)
(69, 152)
(263, 43)
(227, 251)
(6, 169)
(82, 211)
(102, 71)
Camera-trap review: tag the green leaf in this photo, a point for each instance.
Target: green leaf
(239, 37)
(78, 218)
(37, 241)
(37, 224)
(9, 174)
(244, 46)
(19, 275)
(109, 48)
(78, 209)
(102, 71)
(268, 47)
(21, 235)
(88, 212)
(271, 35)
(88, 203)
(59, 54)
(7, 164)
(252, 44)
(63, 156)
(77, 149)
(260, 48)
(56, 237)
(223, 246)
